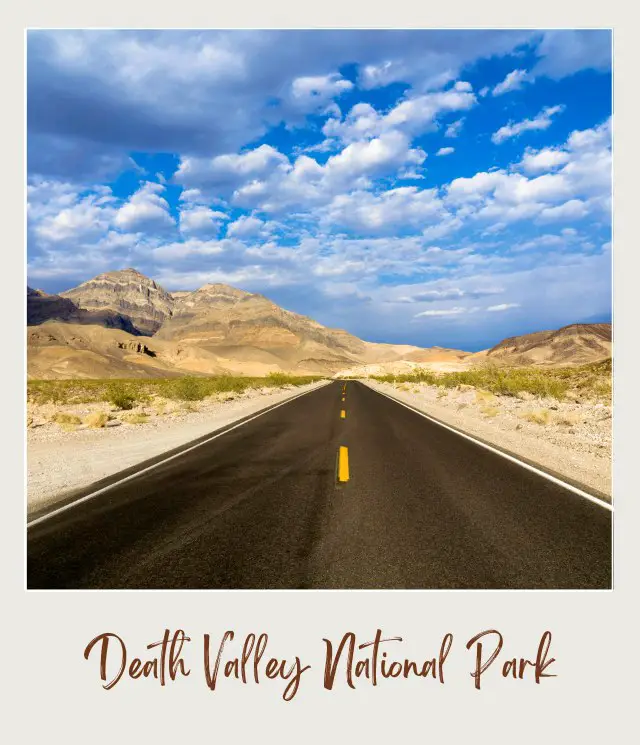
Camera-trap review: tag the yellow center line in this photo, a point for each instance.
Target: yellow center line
(343, 398)
(343, 464)
(343, 414)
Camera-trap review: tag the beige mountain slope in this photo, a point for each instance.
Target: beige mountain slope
(249, 327)
(576, 344)
(126, 292)
(212, 330)
(42, 307)
(68, 350)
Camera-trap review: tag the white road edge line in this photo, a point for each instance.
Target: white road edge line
(104, 489)
(484, 445)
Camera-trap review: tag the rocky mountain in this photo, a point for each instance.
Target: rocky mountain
(236, 323)
(42, 307)
(94, 330)
(576, 344)
(212, 330)
(128, 293)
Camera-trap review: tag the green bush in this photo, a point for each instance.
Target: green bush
(593, 381)
(120, 396)
(126, 393)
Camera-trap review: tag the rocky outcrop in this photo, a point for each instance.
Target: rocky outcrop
(128, 293)
(135, 346)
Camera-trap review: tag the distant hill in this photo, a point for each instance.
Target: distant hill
(576, 344)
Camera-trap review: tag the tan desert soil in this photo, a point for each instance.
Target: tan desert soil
(575, 442)
(59, 461)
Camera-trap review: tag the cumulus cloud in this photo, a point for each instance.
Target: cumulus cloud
(313, 93)
(198, 219)
(226, 172)
(318, 214)
(542, 121)
(407, 207)
(537, 161)
(513, 82)
(307, 183)
(145, 210)
(412, 116)
(248, 226)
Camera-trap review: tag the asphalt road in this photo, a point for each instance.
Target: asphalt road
(262, 507)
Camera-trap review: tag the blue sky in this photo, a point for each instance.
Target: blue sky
(443, 188)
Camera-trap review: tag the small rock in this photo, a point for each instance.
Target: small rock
(113, 423)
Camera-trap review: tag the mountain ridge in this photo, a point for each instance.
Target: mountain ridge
(219, 328)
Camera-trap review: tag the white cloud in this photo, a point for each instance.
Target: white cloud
(536, 161)
(201, 220)
(226, 172)
(412, 116)
(513, 82)
(454, 129)
(548, 241)
(513, 129)
(82, 221)
(445, 151)
(145, 210)
(248, 226)
(574, 209)
(313, 93)
(502, 306)
(404, 207)
(444, 312)
(307, 183)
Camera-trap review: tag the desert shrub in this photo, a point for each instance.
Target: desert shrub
(126, 393)
(96, 420)
(61, 417)
(484, 397)
(134, 418)
(490, 411)
(186, 389)
(120, 395)
(588, 381)
(278, 378)
(540, 416)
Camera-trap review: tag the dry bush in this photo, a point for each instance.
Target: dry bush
(134, 418)
(589, 381)
(62, 418)
(96, 420)
(567, 419)
(490, 411)
(538, 416)
(484, 397)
